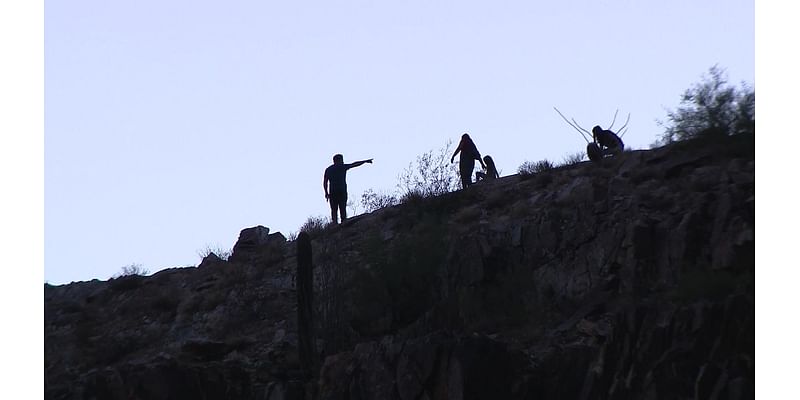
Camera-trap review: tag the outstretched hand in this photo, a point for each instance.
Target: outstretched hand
(369, 161)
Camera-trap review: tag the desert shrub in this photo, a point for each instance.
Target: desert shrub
(431, 174)
(412, 197)
(531, 168)
(711, 108)
(526, 168)
(372, 200)
(353, 208)
(574, 158)
(132, 269)
(217, 250)
(314, 225)
(130, 277)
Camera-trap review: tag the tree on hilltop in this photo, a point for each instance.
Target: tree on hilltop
(711, 107)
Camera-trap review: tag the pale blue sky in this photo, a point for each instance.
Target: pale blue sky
(172, 125)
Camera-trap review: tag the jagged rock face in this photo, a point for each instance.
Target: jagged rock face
(631, 279)
(255, 243)
(223, 330)
(435, 366)
(625, 281)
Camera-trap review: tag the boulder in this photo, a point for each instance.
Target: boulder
(254, 243)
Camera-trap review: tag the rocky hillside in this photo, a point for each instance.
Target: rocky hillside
(631, 279)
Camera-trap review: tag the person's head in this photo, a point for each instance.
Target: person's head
(596, 130)
(488, 160)
(338, 159)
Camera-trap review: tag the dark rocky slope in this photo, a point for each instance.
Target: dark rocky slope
(634, 279)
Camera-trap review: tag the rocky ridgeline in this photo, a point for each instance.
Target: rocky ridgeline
(633, 279)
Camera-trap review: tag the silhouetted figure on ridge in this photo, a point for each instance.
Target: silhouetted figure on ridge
(607, 141)
(604, 141)
(336, 176)
(466, 163)
(491, 170)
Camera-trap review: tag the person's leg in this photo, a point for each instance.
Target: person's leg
(343, 207)
(465, 167)
(334, 207)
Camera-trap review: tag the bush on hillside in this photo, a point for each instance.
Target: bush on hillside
(531, 168)
(130, 277)
(431, 174)
(574, 158)
(372, 200)
(220, 252)
(314, 225)
(132, 269)
(711, 107)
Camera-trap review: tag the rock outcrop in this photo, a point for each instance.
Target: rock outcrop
(631, 279)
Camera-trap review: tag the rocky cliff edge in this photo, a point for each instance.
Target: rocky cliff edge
(630, 279)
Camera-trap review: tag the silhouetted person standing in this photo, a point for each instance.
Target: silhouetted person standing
(466, 163)
(491, 170)
(336, 176)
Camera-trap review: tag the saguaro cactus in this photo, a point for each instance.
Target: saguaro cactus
(305, 297)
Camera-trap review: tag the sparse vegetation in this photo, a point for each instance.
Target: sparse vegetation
(314, 225)
(711, 108)
(574, 158)
(531, 168)
(431, 174)
(353, 208)
(412, 197)
(130, 270)
(130, 277)
(220, 252)
(372, 200)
